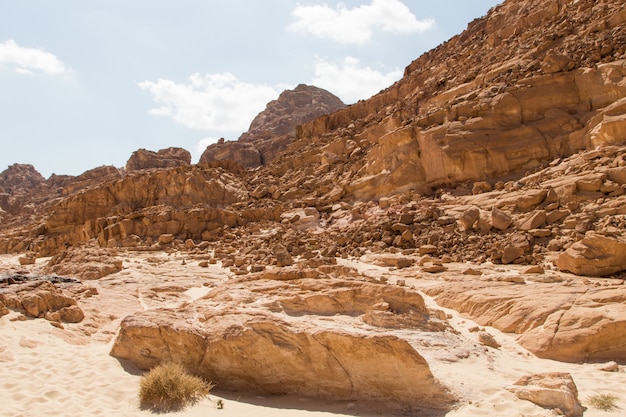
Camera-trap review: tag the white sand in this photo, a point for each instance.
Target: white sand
(46, 371)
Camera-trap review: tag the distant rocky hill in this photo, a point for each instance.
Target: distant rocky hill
(275, 127)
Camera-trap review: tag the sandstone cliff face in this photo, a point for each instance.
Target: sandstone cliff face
(275, 127)
(530, 82)
(176, 187)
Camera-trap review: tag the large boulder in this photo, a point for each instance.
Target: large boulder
(592, 328)
(262, 354)
(555, 390)
(595, 255)
(268, 348)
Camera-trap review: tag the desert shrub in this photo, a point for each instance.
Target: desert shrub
(169, 387)
(604, 402)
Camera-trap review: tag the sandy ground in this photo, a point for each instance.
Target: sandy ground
(47, 371)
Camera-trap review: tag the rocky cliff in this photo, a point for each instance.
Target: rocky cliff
(530, 82)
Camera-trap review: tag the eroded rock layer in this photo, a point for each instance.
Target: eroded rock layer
(279, 344)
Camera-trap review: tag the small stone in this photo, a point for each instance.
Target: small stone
(427, 249)
(26, 260)
(469, 217)
(487, 339)
(609, 367)
(535, 269)
(433, 268)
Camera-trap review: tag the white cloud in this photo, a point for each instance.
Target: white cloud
(28, 60)
(355, 25)
(202, 145)
(351, 81)
(213, 101)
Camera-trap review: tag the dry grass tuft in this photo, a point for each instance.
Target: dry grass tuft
(604, 402)
(169, 387)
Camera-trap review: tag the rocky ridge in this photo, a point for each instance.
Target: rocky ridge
(275, 127)
(491, 175)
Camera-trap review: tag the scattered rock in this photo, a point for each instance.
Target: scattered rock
(487, 339)
(553, 390)
(611, 366)
(27, 260)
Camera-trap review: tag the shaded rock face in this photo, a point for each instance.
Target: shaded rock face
(164, 158)
(275, 127)
(291, 108)
(177, 187)
(15, 183)
(252, 347)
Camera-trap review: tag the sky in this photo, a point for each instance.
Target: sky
(86, 83)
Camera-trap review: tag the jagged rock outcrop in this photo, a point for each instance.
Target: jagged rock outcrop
(20, 177)
(164, 158)
(176, 187)
(16, 182)
(245, 154)
(275, 127)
